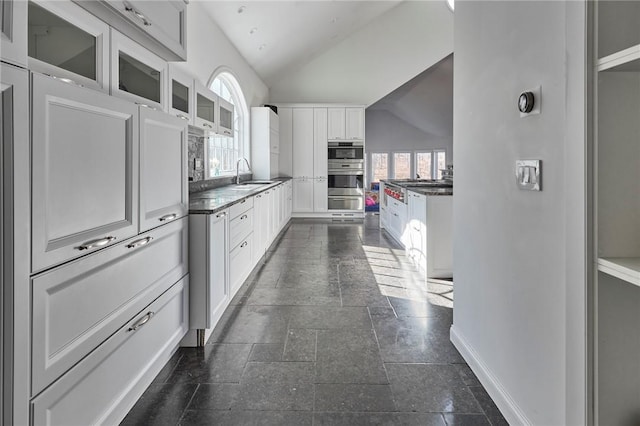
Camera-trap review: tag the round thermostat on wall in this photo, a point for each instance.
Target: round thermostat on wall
(525, 102)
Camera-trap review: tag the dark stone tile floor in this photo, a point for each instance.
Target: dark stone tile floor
(335, 327)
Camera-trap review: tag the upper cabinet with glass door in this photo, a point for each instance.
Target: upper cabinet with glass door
(13, 32)
(181, 93)
(67, 42)
(159, 25)
(206, 108)
(225, 122)
(136, 73)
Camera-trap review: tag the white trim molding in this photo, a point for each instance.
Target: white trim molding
(507, 405)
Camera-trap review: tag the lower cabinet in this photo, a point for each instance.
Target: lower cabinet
(397, 219)
(77, 306)
(209, 268)
(240, 263)
(106, 384)
(261, 225)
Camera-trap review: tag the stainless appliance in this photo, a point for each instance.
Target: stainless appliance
(345, 185)
(395, 191)
(353, 151)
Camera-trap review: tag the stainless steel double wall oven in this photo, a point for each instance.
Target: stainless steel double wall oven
(346, 175)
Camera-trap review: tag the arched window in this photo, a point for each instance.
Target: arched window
(224, 152)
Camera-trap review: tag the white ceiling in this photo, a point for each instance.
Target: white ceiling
(426, 101)
(290, 32)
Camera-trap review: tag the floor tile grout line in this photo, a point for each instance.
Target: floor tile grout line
(184, 411)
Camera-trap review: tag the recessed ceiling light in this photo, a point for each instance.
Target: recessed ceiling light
(451, 4)
(253, 30)
(262, 46)
(241, 9)
(334, 20)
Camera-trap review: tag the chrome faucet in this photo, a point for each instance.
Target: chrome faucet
(238, 168)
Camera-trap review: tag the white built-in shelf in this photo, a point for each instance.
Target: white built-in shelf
(624, 268)
(622, 61)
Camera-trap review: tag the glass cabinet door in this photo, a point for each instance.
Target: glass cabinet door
(180, 97)
(136, 73)
(181, 94)
(206, 103)
(65, 41)
(225, 121)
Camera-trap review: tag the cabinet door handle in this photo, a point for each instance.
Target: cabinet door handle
(138, 15)
(95, 243)
(146, 106)
(139, 243)
(244, 244)
(244, 216)
(266, 192)
(184, 117)
(221, 214)
(207, 125)
(142, 321)
(168, 217)
(258, 196)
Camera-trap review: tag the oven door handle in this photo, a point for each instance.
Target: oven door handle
(342, 172)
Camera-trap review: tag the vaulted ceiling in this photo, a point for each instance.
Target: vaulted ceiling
(274, 36)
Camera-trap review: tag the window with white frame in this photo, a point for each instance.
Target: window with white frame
(379, 166)
(424, 165)
(401, 165)
(223, 152)
(440, 162)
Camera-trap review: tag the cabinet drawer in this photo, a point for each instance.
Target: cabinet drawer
(77, 306)
(241, 207)
(84, 175)
(240, 264)
(240, 227)
(104, 386)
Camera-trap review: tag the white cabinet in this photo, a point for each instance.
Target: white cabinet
(77, 306)
(66, 41)
(160, 26)
(102, 387)
(225, 118)
(240, 243)
(13, 32)
(320, 158)
(285, 146)
(265, 143)
(206, 108)
(14, 240)
(240, 263)
(208, 268)
(137, 74)
(346, 123)
(416, 239)
(384, 211)
(164, 195)
(354, 117)
(616, 212)
(336, 124)
(261, 232)
(181, 94)
(303, 181)
(85, 175)
(397, 214)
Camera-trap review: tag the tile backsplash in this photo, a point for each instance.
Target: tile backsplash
(196, 158)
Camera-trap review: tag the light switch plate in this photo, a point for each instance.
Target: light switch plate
(529, 175)
(197, 163)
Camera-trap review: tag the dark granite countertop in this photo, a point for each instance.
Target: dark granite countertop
(213, 200)
(424, 186)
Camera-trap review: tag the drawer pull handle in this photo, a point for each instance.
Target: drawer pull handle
(96, 243)
(184, 117)
(142, 321)
(221, 214)
(207, 125)
(146, 106)
(244, 216)
(243, 244)
(138, 15)
(168, 217)
(140, 242)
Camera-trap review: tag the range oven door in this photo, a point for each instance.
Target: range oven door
(345, 183)
(346, 151)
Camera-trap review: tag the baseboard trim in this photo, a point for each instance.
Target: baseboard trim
(509, 408)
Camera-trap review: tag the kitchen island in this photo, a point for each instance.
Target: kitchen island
(418, 214)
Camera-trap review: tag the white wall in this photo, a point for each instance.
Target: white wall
(375, 60)
(514, 251)
(208, 49)
(386, 132)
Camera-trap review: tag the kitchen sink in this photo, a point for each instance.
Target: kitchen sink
(245, 186)
(257, 182)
